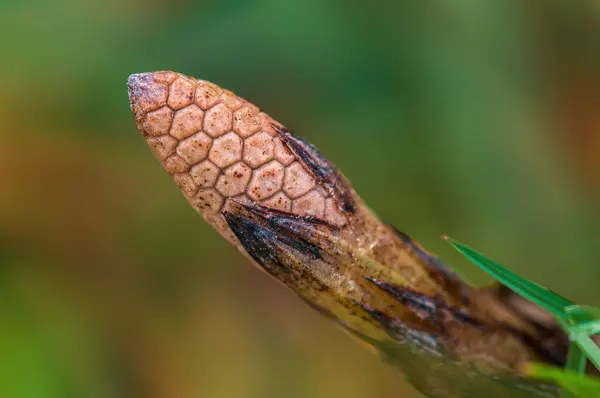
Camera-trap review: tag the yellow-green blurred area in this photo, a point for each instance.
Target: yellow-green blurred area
(476, 119)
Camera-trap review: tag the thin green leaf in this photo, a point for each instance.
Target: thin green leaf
(583, 319)
(530, 290)
(576, 359)
(590, 348)
(576, 362)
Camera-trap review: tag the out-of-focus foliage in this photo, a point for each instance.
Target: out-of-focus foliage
(580, 386)
(476, 119)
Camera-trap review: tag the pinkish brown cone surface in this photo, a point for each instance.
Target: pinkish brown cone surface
(219, 147)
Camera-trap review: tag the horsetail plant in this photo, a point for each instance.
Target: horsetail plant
(297, 218)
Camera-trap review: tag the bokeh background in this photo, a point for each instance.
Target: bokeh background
(476, 119)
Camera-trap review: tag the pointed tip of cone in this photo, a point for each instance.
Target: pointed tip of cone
(137, 83)
(147, 92)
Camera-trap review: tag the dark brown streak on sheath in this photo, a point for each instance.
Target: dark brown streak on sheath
(435, 268)
(438, 313)
(400, 332)
(282, 217)
(284, 245)
(427, 308)
(323, 171)
(294, 231)
(264, 238)
(257, 241)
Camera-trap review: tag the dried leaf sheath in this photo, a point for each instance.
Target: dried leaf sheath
(296, 216)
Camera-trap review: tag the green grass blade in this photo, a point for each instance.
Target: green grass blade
(574, 384)
(587, 345)
(583, 320)
(576, 359)
(530, 290)
(576, 362)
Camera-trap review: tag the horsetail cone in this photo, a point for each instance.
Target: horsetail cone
(219, 147)
(221, 150)
(296, 217)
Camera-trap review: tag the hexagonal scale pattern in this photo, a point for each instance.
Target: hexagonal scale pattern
(207, 200)
(246, 121)
(218, 120)
(175, 164)
(231, 100)
(207, 95)
(258, 149)
(185, 182)
(181, 93)
(158, 122)
(226, 150)
(279, 202)
(311, 204)
(186, 122)
(205, 174)
(266, 181)
(218, 147)
(163, 76)
(195, 148)
(282, 155)
(234, 180)
(162, 146)
(297, 181)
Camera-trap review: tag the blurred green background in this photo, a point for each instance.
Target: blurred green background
(476, 119)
